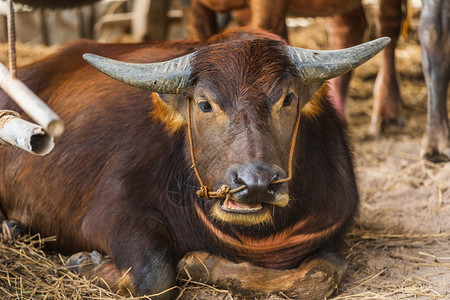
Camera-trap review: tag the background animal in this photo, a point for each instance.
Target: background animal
(347, 25)
(434, 34)
(120, 180)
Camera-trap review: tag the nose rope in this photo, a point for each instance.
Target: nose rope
(225, 192)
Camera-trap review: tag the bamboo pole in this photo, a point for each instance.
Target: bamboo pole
(23, 134)
(30, 103)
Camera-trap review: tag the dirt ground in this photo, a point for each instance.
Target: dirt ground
(400, 246)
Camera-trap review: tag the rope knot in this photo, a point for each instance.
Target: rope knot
(223, 191)
(203, 192)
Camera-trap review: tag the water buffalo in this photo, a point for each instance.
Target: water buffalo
(434, 34)
(347, 27)
(228, 146)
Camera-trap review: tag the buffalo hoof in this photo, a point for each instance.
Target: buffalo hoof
(12, 230)
(84, 263)
(103, 271)
(316, 278)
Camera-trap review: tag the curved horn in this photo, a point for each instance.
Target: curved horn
(322, 65)
(168, 77)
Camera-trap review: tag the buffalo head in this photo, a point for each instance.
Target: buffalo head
(243, 100)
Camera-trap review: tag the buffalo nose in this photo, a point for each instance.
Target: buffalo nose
(258, 178)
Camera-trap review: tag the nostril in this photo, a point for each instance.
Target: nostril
(276, 187)
(238, 181)
(275, 177)
(273, 188)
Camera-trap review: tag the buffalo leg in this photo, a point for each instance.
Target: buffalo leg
(140, 249)
(346, 30)
(105, 273)
(316, 278)
(386, 93)
(434, 34)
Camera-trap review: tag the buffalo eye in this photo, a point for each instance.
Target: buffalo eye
(205, 106)
(288, 99)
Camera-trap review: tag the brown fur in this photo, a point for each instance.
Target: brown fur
(273, 243)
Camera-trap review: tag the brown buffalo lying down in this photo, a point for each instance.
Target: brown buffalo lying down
(234, 151)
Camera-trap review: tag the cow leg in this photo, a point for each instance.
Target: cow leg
(139, 245)
(434, 34)
(201, 22)
(386, 93)
(148, 275)
(346, 30)
(316, 278)
(94, 266)
(104, 272)
(270, 15)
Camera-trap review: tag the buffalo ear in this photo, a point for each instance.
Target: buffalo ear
(308, 92)
(316, 94)
(170, 110)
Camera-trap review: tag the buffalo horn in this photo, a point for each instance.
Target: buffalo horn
(322, 65)
(168, 77)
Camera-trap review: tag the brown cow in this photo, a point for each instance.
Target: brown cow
(121, 180)
(347, 27)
